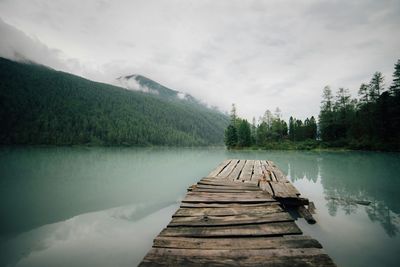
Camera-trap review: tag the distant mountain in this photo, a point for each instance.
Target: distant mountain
(144, 84)
(39, 105)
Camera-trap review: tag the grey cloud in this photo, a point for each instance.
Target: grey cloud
(18, 46)
(257, 54)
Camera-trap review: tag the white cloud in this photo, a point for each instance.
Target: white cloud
(131, 83)
(181, 95)
(257, 54)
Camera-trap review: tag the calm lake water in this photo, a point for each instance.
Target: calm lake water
(103, 206)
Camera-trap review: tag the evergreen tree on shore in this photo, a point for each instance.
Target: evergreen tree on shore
(372, 122)
(395, 87)
(376, 86)
(244, 134)
(271, 129)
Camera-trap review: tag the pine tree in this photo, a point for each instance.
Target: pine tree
(277, 113)
(326, 115)
(244, 134)
(231, 137)
(363, 93)
(291, 128)
(233, 114)
(267, 118)
(253, 131)
(313, 127)
(395, 87)
(342, 98)
(299, 130)
(376, 86)
(262, 133)
(326, 99)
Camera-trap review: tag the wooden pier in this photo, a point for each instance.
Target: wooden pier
(237, 216)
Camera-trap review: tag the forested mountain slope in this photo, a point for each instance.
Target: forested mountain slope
(39, 105)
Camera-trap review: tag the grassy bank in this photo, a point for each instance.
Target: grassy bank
(320, 145)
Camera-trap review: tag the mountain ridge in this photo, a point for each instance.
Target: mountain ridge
(39, 105)
(147, 85)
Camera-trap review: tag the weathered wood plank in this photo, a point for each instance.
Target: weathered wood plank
(226, 205)
(281, 190)
(268, 176)
(270, 253)
(257, 171)
(288, 258)
(242, 219)
(228, 169)
(223, 200)
(229, 187)
(220, 167)
(273, 176)
(234, 175)
(226, 211)
(247, 171)
(252, 194)
(305, 213)
(280, 177)
(251, 182)
(252, 197)
(270, 163)
(267, 173)
(311, 207)
(292, 189)
(295, 241)
(223, 190)
(225, 183)
(267, 229)
(265, 186)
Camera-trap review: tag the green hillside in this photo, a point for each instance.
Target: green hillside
(39, 105)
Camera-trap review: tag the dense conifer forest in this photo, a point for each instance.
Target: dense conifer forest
(370, 122)
(39, 105)
(272, 132)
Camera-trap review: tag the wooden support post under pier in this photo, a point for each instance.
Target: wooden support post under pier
(237, 216)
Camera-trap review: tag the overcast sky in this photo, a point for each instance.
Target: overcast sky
(257, 54)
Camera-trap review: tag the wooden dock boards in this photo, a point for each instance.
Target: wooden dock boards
(247, 171)
(261, 172)
(228, 220)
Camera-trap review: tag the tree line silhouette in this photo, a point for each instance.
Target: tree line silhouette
(371, 121)
(269, 132)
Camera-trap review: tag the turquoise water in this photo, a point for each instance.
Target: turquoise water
(103, 206)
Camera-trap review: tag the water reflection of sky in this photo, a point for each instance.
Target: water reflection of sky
(114, 237)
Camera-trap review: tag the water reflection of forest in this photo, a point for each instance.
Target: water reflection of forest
(353, 176)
